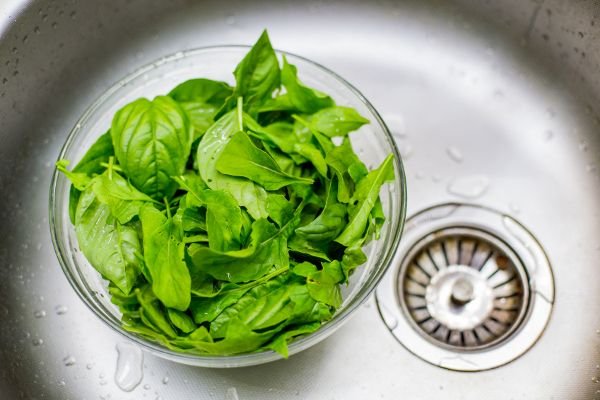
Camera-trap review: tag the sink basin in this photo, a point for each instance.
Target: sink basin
(493, 104)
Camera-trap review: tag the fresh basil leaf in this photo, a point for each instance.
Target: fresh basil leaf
(223, 215)
(279, 208)
(153, 313)
(364, 199)
(347, 167)
(111, 248)
(242, 158)
(353, 257)
(328, 225)
(201, 99)
(90, 164)
(268, 248)
(304, 99)
(337, 121)
(264, 306)
(278, 103)
(123, 200)
(247, 193)
(257, 75)
(181, 320)
(163, 254)
(280, 343)
(79, 180)
(323, 287)
(152, 141)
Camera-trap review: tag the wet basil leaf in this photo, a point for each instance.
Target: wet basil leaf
(152, 142)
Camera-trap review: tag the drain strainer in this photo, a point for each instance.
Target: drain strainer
(470, 289)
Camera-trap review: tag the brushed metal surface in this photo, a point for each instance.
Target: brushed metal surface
(496, 101)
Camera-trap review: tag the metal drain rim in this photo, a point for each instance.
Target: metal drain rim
(520, 239)
(478, 234)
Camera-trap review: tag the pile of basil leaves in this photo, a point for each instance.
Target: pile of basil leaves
(225, 218)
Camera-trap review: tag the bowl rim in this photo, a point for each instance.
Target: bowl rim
(245, 359)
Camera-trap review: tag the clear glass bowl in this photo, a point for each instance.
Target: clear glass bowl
(373, 142)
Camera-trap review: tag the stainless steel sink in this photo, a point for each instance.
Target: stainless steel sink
(492, 103)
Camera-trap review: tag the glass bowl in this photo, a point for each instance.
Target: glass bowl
(373, 142)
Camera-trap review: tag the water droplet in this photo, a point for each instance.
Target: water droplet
(37, 342)
(469, 187)
(583, 146)
(129, 371)
(54, 25)
(230, 19)
(61, 382)
(39, 313)
(165, 380)
(146, 387)
(420, 175)
(548, 135)
(60, 310)
(44, 17)
(103, 383)
(590, 168)
(436, 178)
(231, 394)
(36, 30)
(69, 361)
(89, 366)
(73, 14)
(455, 154)
(25, 38)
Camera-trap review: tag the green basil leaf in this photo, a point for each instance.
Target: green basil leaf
(257, 75)
(181, 320)
(153, 313)
(123, 200)
(223, 215)
(268, 249)
(304, 99)
(242, 158)
(280, 343)
(113, 249)
(163, 254)
(328, 225)
(323, 287)
(364, 199)
(201, 99)
(152, 141)
(247, 193)
(337, 121)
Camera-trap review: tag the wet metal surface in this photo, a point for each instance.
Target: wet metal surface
(491, 102)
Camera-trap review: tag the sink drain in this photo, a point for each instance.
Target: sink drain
(471, 288)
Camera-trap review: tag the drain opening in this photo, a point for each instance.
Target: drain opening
(463, 288)
(470, 288)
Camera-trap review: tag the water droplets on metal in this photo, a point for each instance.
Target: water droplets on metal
(455, 154)
(469, 187)
(69, 361)
(129, 372)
